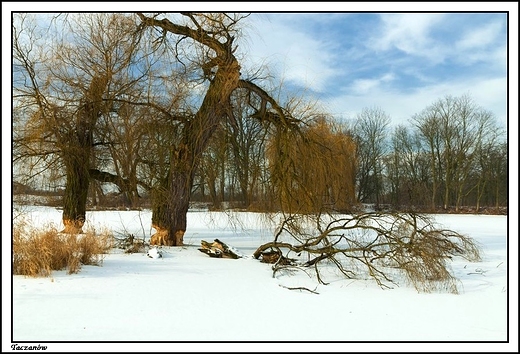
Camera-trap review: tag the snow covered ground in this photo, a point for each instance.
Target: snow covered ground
(187, 301)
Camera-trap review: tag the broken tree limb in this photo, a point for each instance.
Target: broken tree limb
(275, 257)
(218, 249)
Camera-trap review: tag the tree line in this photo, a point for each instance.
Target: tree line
(159, 107)
(452, 154)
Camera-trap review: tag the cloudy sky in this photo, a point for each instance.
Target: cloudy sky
(350, 57)
(399, 62)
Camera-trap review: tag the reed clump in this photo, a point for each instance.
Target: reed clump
(39, 251)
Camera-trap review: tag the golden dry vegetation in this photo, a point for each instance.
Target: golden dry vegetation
(39, 251)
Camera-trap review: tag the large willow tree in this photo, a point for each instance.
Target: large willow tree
(205, 43)
(64, 72)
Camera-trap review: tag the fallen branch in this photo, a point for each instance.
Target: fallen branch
(301, 288)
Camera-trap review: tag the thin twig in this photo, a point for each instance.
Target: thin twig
(301, 288)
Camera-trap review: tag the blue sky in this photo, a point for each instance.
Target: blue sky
(399, 62)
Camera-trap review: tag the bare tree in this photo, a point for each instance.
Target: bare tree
(490, 174)
(408, 170)
(61, 91)
(370, 131)
(214, 168)
(454, 128)
(247, 139)
(429, 129)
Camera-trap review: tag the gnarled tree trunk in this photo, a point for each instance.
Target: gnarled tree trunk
(196, 133)
(188, 153)
(222, 70)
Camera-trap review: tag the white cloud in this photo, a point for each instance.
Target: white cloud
(401, 106)
(288, 53)
(483, 45)
(418, 36)
(480, 37)
(363, 86)
(409, 33)
(294, 55)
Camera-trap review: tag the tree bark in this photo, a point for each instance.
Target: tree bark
(187, 155)
(76, 192)
(76, 155)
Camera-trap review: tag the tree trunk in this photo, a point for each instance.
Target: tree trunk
(76, 155)
(75, 198)
(179, 192)
(188, 153)
(434, 184)
(160, 215)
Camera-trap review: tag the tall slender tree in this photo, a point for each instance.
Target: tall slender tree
(370, 132)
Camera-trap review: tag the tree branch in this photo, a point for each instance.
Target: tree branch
(200, 35)
(152, 105)
(280, 116)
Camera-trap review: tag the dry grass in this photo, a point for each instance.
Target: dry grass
(37, 252)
